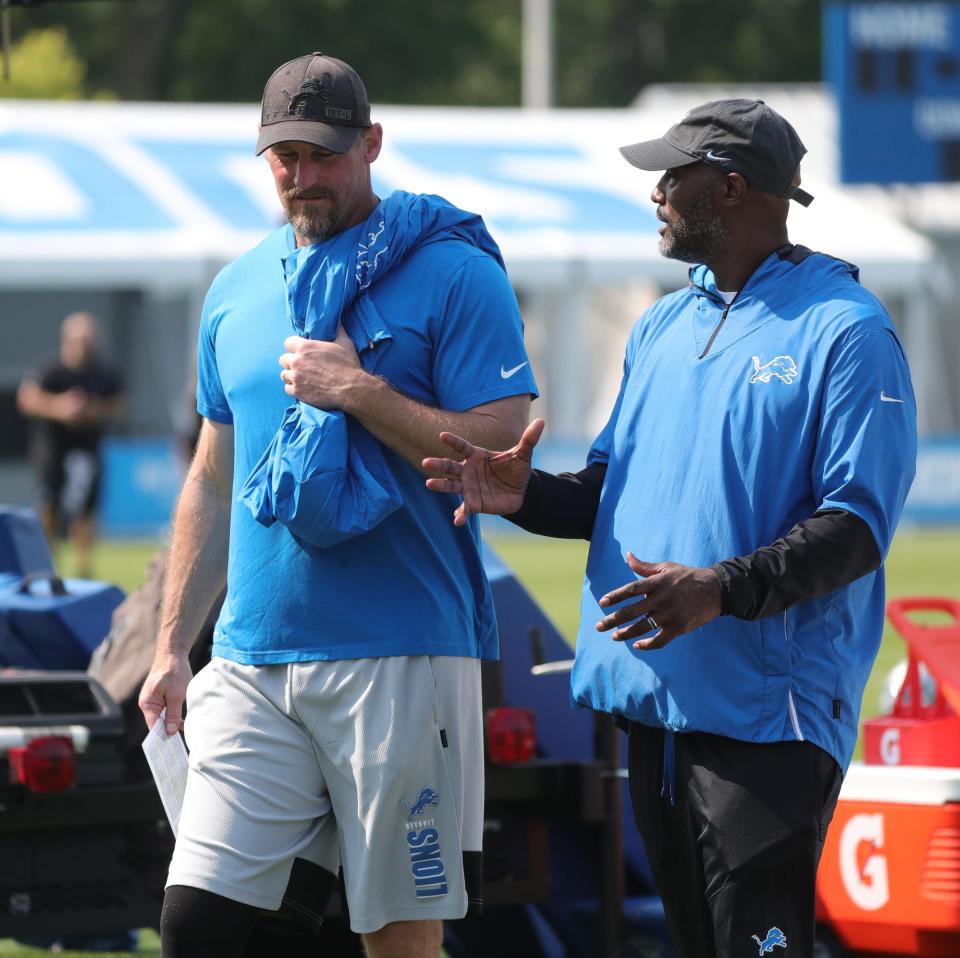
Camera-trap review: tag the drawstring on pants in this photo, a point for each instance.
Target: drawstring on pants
(668, 783)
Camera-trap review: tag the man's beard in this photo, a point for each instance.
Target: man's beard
(699, 236)
(309, 221)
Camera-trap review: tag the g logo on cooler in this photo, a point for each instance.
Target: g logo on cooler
(867, 884)
(890, 746)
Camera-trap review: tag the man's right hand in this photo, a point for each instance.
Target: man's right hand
(166, 688)
(491, 482)
(70, 407)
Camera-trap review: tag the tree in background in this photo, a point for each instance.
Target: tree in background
(431, 51)
(607, 50)
(44, 66)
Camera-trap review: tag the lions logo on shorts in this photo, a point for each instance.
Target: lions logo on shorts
(423, 843)
(427, 796)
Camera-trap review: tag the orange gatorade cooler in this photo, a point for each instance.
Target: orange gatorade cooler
(889, 878)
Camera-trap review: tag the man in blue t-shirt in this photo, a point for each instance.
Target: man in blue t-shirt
(738, 503)
(338, 725)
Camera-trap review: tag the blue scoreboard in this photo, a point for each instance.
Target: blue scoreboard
(895, 71)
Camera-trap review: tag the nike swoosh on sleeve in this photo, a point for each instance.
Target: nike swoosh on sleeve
(507, 373)
(885, 398)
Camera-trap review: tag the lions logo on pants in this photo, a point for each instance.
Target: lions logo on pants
(775, 938)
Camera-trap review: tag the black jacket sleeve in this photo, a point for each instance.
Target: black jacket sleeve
(818, 555)
(564, 505)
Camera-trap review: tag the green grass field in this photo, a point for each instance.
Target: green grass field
(921, 562)
(149, 944)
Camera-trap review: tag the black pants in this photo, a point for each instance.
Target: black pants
(735, 859)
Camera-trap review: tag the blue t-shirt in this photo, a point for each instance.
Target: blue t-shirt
(415, 583)
(802, 402)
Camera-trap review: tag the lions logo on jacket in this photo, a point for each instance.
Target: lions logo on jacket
(783, 367)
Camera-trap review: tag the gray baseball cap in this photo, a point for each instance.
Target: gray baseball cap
(314, 99)
(737, 136)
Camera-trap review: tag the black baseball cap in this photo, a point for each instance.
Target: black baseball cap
(314, 99)
(738, 136)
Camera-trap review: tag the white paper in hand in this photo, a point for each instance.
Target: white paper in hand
(167, 758)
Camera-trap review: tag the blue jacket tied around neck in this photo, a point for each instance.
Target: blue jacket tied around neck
(324, 476)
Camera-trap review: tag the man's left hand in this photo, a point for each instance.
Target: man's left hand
(673, 599)
(318, 372)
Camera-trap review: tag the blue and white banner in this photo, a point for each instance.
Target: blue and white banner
(141, 481)
(935, 495)
(142, 478)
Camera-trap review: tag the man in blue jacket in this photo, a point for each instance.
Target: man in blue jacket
(339, 721)
(738, 503)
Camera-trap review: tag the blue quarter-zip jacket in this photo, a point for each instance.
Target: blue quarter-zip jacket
(733, 424)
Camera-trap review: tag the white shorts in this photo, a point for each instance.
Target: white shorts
(372, 765)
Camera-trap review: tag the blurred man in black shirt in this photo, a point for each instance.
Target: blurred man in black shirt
(71, 399)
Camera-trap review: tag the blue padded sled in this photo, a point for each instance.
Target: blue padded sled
(55, 622)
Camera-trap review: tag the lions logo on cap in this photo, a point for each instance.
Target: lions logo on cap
(308, 102)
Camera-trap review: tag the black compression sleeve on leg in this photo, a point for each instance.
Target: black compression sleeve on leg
(199, 924)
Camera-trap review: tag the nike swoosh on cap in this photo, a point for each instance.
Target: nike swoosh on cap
(507, 373)
(885, 398)
(710, 155)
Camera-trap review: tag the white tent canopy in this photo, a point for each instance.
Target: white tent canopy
(158, 196)
(91, 190)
